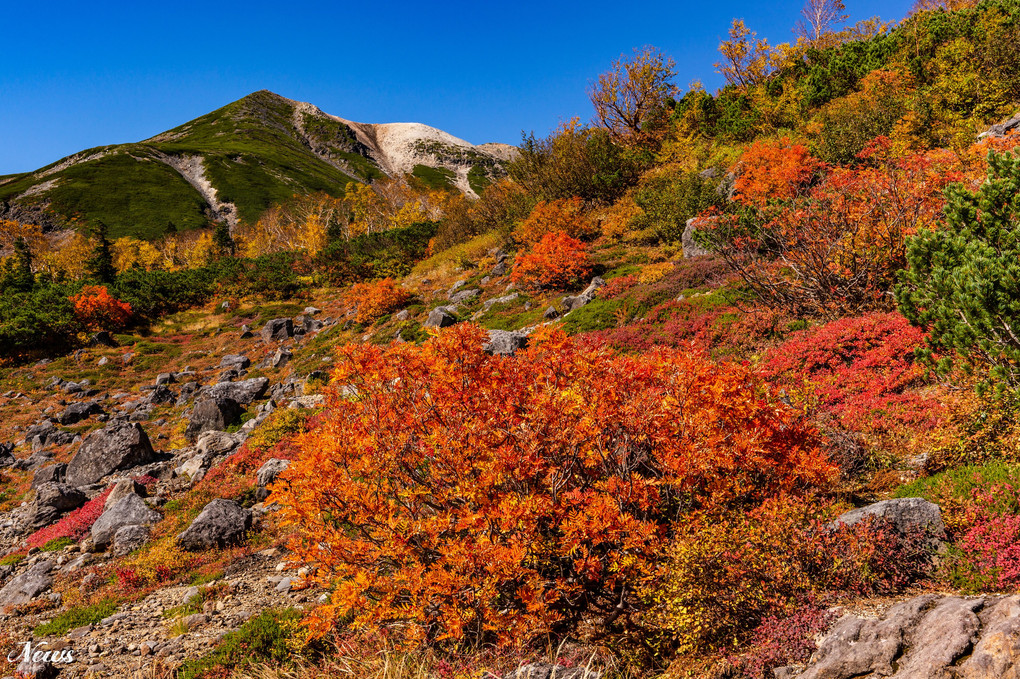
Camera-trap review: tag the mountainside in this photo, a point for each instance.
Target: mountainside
(235, 162)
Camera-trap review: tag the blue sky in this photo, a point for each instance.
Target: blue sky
(77, 75)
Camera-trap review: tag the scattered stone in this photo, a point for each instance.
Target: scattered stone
(243, 392)
(162, 394)
(1000, 130)
(464, 295)
(53, 473)
(551, 313)
(277, 330)
(578, 301)
(689, 241)
(267, 473)
(129, 538)
(280, 358)
(505, 342)
(76, 412)
(121, 490)
(440, 317)
(311, 311)
(402, 315)
(505, 299)
(104, 361)
(235, 361)
(130, 510)
(221, 522)
(499, 269)
(549, 671)
(25, 587)
(119, 445)
(217, 443)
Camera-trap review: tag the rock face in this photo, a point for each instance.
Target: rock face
(267, 474)
(130, 510)
(52, 500)
(440, 317)
(505, 342)
(27, 586)
(577, 301)
(928, 636)
(76, 412)
(221, 523)
(906, 515)
(277, 330)
(690, 245)
(1000, 130)
(120, 445)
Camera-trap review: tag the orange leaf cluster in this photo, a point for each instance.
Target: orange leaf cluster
(96, 309)
(377, 298)
(565, 215)
(556, 261)
(470, 498)
(773, 170)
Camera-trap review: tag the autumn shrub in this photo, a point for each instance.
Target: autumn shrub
(75, 525)
(565, 215)
(557, 261)
(781, 641)
(986, 556)
(729, 573)
(96, 309)
(862, 370)
(837, 248)
(470, 498)
(378, 298)
(773, 170)
(668, 197)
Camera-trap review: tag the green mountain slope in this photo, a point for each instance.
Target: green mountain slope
(227, 165)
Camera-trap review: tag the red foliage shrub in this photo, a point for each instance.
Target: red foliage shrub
(861, 370)
(74, 526)
(557, 261)
(565, 215)
(988, 553)
(96, 309)
(474, 497)
(780, 641)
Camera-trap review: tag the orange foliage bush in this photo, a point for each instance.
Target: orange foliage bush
(97, 309)
(469, 498)
(377, 298)
(773, 170)
(565, 215)
(557, 261)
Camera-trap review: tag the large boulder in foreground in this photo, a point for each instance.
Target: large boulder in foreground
(130, 510)
(928, 636)
(120, 445)
(27, 586)
(221, 523)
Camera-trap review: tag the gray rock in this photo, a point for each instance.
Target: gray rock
(221, 523)
(280, 358)
(76, 412)
(505, 299)
(689, 243)
(929, 636)
(130, 510)
(38, 670)
(212, 413)
(243, 392)
(7, 458)
(25, 587)
(120, 445)
(217, 443)
(505, 342)
(277, 330)
(1000, 130)
(440, 317)
(586, 296)
(499, 270)
(236, 361)
(267, 474)
(550, 313)
(464, 295)
(53, 473)
(311, 311)
(161, 394)
(165, 378)
(104, 361)
(121, 490)
(129, 538)
(549, 671)
(909, 514)
(52, 500)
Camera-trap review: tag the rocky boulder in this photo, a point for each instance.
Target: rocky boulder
(267, 473)
(53, 473)
(212, 413)
(577, 301)
(243, 392)
(906, 515)
(129, 538)
(221, 523)
(52, 500)
(76, 412)
(7, 458)
(120, 445)
(130, 510)
(927, 636)
(689, 241)
(121, 490)
(277, 330)
(27, 586)
(235, 361)
(440, 317)
(505, 342)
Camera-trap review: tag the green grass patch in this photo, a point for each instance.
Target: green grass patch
(958, 484)
(599, 314)
(262, 639)
(434, 177)
(12, 559)
(76, 617)
(56, 543)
